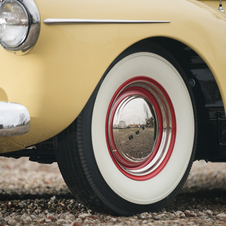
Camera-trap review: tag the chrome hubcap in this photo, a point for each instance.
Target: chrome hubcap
(140, 128)
(134, 129)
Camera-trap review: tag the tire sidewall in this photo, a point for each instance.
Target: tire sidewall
(109, 183)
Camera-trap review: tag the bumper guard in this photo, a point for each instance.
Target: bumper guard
(14, 119)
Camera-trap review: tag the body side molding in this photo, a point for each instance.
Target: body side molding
(100, 21)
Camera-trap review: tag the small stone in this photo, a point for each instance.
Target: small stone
(94, 217)
(178, 213)
(61, 221)
(79, 220)
(8, 218)
(16, 217)
(143, 215)
(70, 217)
(37, 211)
(159, 217)
(28, 211)
(62, 216)
(221, 216)
(189, 214)
(27, 220)
(201, 214)
(209, 212)
(83, 215)
(18, 224)
(51, 218)
(41, 220)
(12, 222)
(88, 221)
(113, 220)
(76, 224)
(53, 198)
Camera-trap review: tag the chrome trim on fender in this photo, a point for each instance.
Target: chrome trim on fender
(14, 119)
(96, 21)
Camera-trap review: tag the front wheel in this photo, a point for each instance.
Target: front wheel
(132, 147)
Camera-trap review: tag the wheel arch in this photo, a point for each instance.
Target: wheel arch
(208, 100)
(91, 134)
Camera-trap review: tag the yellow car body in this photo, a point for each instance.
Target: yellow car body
(56, 78)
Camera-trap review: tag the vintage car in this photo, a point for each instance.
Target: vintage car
(123, 95)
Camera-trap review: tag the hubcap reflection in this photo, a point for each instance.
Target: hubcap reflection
(140, 128)
(134, 129)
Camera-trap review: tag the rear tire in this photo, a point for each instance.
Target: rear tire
(99, 169)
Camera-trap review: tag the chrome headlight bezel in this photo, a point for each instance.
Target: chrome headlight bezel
(32, 35)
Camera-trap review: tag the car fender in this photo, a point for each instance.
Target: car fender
(56, 78)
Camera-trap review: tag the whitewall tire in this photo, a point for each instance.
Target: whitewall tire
(132, 147)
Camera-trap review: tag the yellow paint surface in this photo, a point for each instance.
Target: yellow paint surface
(56, 78)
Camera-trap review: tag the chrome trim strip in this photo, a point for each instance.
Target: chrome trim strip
(14, 119)
(96, 21)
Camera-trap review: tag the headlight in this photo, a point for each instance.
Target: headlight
(13, 24)
(19, 25)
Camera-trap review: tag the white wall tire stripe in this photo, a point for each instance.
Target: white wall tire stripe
(159, 187)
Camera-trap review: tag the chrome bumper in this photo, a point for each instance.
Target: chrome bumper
(14, 119)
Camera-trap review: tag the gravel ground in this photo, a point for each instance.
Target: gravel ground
(35, 194)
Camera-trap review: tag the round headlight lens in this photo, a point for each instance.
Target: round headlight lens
(14, 24)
